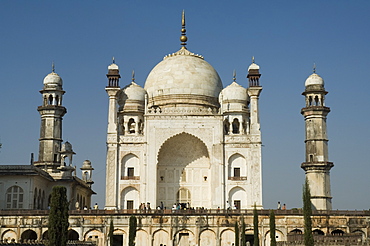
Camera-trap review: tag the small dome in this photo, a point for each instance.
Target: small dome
(86, 163)
(314, 79)
(234, 91)
(134, 92)
(253, 66)
(67, 146)
(113, 66)
(53, 79)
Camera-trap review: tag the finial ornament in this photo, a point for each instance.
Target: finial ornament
(133, 75)
(314, 68)
(252, 59)
(183, 37)
(53, 67)
(113, 60)
(234, 76)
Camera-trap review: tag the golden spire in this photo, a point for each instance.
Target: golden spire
(252, 59)
(234, 76)
(183, 37)
(133, 75)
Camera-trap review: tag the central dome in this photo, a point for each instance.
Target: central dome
(183, 78)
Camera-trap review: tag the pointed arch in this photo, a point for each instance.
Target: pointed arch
(9, 236)
(183, 162)
(227, 237)
(14, 197)
(28, 235)
(129, 198)
(161, 237)
(237, 167)
(130, 167)
(237, 197)
(207, 238)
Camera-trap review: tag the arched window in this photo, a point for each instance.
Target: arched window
(226, 126)
(131, 125)
(141, 126)
(50, 100)
(35, 199)
(28, 235)
(130, 167)
(310, 101)
(183, 196)
(236, 126)
(57, 100)
(14, 197)
(317, 101)
(42, 199)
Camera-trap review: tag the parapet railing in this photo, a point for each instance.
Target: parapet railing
(196, 211)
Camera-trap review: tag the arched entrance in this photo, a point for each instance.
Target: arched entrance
(183, 171)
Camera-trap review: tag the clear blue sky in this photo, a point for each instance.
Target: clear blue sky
(286, 38)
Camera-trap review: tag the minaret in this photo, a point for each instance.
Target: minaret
(254, 90)
(317, 166)
(52, 113)
(112, 163)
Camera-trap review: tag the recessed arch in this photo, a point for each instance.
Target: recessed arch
(318, 232)
(130, 166)
(9, 236)
(129, 198)
(183, 163)
(14, 197)
(28, 235)
(207, 238)
(237, 167)
(161, 237)
(142, 237)
(184, 237)
(237, 197)
(227, 237)
(73, 235)
(279, 236)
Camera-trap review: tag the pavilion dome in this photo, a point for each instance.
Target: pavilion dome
(134, 92)
(234, 91)
(53, 79)
(314, 79)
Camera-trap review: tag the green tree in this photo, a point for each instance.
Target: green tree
(132, 231)
(256, 239)
(307, 212)
(272, 228)
(110, 234)
(236, 233)
(243, 239)
(58, 217)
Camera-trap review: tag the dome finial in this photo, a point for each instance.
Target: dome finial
(252, 59)
(183, 37)
(314, 67)
(234, 76)
(113, 60)
(133, 75)
(53, 67)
